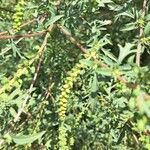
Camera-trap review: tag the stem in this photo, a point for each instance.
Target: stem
(42, 48)
(139, 46)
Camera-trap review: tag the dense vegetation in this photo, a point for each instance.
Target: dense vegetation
(75, 74)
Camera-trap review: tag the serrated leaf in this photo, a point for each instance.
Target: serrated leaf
(26, 139)
(124, 51)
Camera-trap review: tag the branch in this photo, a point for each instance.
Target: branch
(84, 50)
(139, 46)
(42, 49)
(23, 35)
(72, 39)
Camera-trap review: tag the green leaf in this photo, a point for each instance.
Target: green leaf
(27, 139)
(12, 112)
(147, 17)
(94, 84)
(124, 51)
(53, 20)
(108, 61)
(147, 29)
(104, 71)
(101, 3)
(15, 49)
(88, 63)
(9, 47)
(128, 14)
(110, 55)
(129, 27)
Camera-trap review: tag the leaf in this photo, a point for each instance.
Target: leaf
(9, 47)
(124, 51)
(88, 63)
(15, 50)
(53, 20)
(94, 85)
(101, 3)
(12, 112)
(110, 55)
(129, 27)
(108, 61)
(147, 29)
(128, 14)
(14, 93)
(27, 139)
(115, 7)
(147, 17)
(104, 71)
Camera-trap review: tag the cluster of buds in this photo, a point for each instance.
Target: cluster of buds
(66, 89)
(62, 138)
(17, 17)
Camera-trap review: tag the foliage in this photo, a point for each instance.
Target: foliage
(75, 74)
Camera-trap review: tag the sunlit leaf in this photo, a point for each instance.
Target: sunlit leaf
(27, 139)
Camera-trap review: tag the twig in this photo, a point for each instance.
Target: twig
(42, 48)
(43, 104)
(139, 46)
(23, 35)
(28, 22)
(72, 39)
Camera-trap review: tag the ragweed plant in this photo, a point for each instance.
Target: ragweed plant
(64, 96)
(66, 89)
(63, 99)
(62, 138)
(17, 17)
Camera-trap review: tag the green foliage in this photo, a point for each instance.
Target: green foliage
(19, 8)
(54, 97)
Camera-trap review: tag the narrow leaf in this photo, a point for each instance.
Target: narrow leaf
(53, 20)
